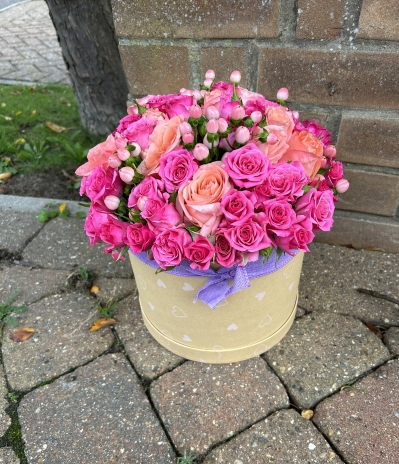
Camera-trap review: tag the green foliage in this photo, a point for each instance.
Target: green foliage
(186, 458)
(14, 397)
(84, 274)
(107, 310)
(52, 210)
(7, 309)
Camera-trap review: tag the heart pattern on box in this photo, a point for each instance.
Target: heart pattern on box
(160, 283)
(261, 349)
(178, 312)
(232, 327)
(141, 281)
(151, 306)
(186, 338)
(167, 335)
(187, 287)
(260, 296)
(265, 321)
(288, 270)
(291, 286)
(217, 349)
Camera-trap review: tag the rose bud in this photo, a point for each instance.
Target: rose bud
(123, 154)
(185, 127)
(210, 74)
(212, 113)
(242, 135)
(208, 82)
(282, 94)
(235, 77)
(137, 149)
(329, 151)
(195, 111)
(111, 202)
(126, 174)
(188, 138)
(212, 126)
(272, 139)
(318, 178)
(342, 186)
(256, 116)
(200, 152)
(237, 113)
(222, 125)
(120, 142)
(114, 161)
(323, 162)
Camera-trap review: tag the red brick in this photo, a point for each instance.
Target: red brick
(370, 192)
(361, 233)
(155, 69)
(193, 19)
(333, 78)
(369, 141)
(223, 61)
(320, 118)
(379, 19)
(320, 19)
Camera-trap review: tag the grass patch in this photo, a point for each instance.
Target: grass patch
(40, 129)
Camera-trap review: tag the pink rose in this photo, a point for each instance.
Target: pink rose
(319, 207)
(248, 236)
(237, 206)
(278, 216)
(147, 188)
(113, 232)
(172, 105)
(315, 129)
(169, 246)
(176, 168)
(139, 237)
(212, 99)
(101, 183)
(160, 214)
(286, 180)
(246, 95)
(98, 156)
(200, 252)
(300, 235)
(247, 166)
(125, 122)
(226, 255)
(93, 222)
(140, 131)
(334, 174)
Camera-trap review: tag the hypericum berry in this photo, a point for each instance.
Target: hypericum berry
(210, 74)
(137, 149)
(208, 82)
(185, 127)
(256, 116)
(272, 139)
(212, 126)
(329, 151)
(237, 113)
(212, 112)
(200, 151)
(114, 161)
(342, 186)
(195, 111)
(126, 174)
(188, 138)
(283, 94)
(242, 135)
(235, 77)
(123, 154)
(222, 125)
(112, 202)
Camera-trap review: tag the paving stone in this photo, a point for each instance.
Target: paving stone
(98, 413)
(31, 284)
(202, 405)
(391, 339)
(63, 244)
(16, 229)
(149, 358)
(330, 276)
(61, 340)
(7, 456)
(114, 288)
(321, 353)
(363, 422)
(284, 437)
(5, 420)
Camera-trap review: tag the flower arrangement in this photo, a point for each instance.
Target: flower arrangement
(217, 175)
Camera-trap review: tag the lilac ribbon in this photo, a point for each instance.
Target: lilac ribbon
(217, 288)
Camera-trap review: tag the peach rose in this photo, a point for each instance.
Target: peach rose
(280, 116)
(307, 149)
(276, 151)
(154, 113)
(212, 99)
(98, 156)
(199, 199)
(165, 137)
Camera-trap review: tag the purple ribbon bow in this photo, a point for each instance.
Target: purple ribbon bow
(217, 288)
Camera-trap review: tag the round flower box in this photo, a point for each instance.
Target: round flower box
(243, 325)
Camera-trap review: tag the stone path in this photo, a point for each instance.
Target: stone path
(68, 395)
(29, 50)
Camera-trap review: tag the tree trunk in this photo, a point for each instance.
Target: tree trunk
(86, 33)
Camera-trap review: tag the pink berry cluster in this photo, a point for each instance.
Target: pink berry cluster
(217, 175)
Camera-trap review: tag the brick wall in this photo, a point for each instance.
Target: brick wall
(338, 58)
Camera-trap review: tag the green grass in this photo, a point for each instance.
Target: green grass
(27, 143)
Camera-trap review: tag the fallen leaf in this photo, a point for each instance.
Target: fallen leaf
(330, 432)
(373, 329)
(102, 322)
(62, 207)
(94, 289)
(20, 142)
(5, 176)
(20, 335)
(307, 414)
(55, 128)
(3, 105)
(16, 93)
(33, 111)
(18, 113)
(7, 118)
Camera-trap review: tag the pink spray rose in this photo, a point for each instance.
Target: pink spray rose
(172, 105)
(319, 207)
(139, 237)
(176, 168)
(238, 206)
(93, 222)
(200, 252)
(286, 180)
(248, 237)
(226, 255)
(147, 188)
(101, 183)
(125, 122)
(247, 166)
(113, 232)
(334, 174)
(300, 236)
(168, 248)
(140, 131)
(279, 216)
(160, 214)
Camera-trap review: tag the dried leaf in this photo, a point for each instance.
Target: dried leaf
(5, 176)
(94, 289)
(18, 113)
(3, 105)
(55, 128)
(307, 414)
(102, 322)
(20, 335)
(62, 207)
(373, 329)
(20, 142)
(33, 112)
(17, 93)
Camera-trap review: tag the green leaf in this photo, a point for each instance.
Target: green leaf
(80, 214)
(42, 217)
(52, 214)
(307, 188)
(11, 320)
(64, 214)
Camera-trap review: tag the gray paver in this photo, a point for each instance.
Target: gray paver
(330, 276)
(5, 420)
(201, 405)
(61, 340)
(98, 413)
(149, 358)
(63, 244)
(31, 284)
(114, 288)
(322, 352)
(284, 437)
(16, 229)
(391, 339)
(7, 456)
(363, 422)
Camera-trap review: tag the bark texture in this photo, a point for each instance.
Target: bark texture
(87, 36)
